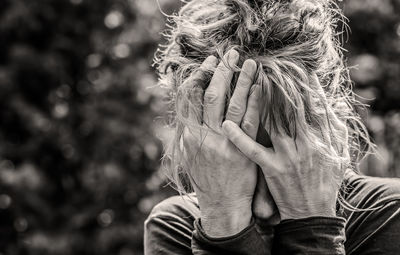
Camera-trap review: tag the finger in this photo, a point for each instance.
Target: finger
(331, 119)
(182, 107)
(202, 75)
(250, 148)
(215, 94)
(195, 107)
(251, 118)
(198, 82)
(263, 203)
(321, 105)
(276, 135)
(269, 132)
(237, 104)
(289, 146)
(328, 112)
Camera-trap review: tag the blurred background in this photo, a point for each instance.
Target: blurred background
(79, 153)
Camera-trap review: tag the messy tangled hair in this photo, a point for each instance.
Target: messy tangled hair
(291, 41)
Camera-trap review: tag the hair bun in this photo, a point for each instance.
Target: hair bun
(311, 15)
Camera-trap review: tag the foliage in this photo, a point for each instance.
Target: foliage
(374, 52)
(79, 155)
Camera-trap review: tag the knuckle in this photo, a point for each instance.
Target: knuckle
(307, 148)
(244, 83)
(197, 90)
(295, 166)
(199, 77)
(222, 68)
(303, 162)
(311, 153)
(198, 80)
(210, 97)
(186, 83)
(345, 131)
(234, 109)
(196, 94)
(255, 153)
(308, 153)
(187, 136)
(247, 125)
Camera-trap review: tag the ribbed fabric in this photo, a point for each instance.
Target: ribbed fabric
(172, 227)
(314, 235)
(248, 241)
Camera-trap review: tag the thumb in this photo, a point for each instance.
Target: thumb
(250, 148)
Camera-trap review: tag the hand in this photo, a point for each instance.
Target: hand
(223, 178)
(301, 183)
(244, 111)
(264, 207)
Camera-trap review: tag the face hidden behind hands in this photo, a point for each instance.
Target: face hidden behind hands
(291, 41)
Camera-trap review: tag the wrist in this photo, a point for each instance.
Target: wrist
(225, 221)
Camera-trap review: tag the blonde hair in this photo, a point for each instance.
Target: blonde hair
(291, 41)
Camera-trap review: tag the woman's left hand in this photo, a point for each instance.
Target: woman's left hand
(302, 183)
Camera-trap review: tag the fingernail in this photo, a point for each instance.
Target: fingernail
(233, 56)
(211, 60)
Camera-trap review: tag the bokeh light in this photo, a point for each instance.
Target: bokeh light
(5, 201)
(80, 142)
(114, 19)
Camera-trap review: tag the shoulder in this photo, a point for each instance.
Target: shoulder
(176, 206)
(168, 228)
(366, 191)
(179, 209)
(375, 222)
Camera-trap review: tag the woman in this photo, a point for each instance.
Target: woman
(270, 149)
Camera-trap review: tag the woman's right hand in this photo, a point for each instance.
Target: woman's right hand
(223, 178)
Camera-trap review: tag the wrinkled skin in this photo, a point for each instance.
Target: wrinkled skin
(302, 183)
(288, 183)
(224, 179)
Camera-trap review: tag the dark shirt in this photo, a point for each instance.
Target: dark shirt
(174, 227)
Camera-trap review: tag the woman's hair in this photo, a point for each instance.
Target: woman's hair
(294, 43)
